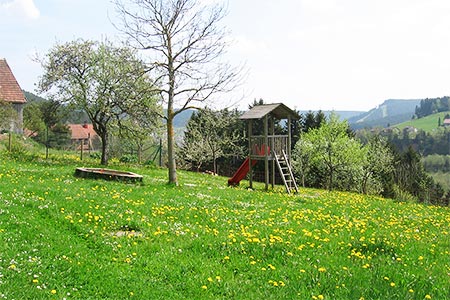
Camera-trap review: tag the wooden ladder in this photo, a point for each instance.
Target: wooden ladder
(286, 171)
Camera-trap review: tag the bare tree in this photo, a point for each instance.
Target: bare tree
(185, 44)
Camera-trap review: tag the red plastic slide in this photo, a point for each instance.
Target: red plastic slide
(241, 172)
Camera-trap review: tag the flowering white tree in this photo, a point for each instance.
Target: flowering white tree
(107, 82)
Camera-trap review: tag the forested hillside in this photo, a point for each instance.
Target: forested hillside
(32, 97)
(432, 106)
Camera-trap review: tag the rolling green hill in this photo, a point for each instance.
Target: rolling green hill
(428, 123)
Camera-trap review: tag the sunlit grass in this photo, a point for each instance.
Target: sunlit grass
(65, 237)
(428, 123)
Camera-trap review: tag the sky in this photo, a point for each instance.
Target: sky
(308, 54)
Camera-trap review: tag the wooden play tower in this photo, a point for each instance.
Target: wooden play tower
(274, 150)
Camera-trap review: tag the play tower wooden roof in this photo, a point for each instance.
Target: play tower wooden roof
(278, 110)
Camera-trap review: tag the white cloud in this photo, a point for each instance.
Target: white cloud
(22, 8)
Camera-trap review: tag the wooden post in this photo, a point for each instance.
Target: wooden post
(160, 152)
(272, 129)
(82, 148)
(10, 141)
(266, 150)
(250, 170)
(289, 138)
(89, 143)
(46, 143)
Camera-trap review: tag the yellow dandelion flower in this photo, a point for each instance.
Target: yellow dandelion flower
(411, 290)
(392, 284)
(320, 297)
(210, 279)
(322, 270)
(218, 278)
(53, 292)
(204, 287)
(427, 296)
(302, 271)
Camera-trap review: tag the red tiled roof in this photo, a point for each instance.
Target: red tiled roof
(447, 122)
(82, 131)
(10, 90)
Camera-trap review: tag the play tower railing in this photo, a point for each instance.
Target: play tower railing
(275, 143)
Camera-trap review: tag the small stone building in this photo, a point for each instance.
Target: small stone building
(11, 92)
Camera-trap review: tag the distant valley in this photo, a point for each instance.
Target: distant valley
(389, 113)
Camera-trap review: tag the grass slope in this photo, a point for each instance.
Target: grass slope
(428, 123)
(64, 237)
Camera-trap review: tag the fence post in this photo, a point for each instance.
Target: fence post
(82, 146)
(89, 143)
(46, 142)
(10, 141)
(160, 152)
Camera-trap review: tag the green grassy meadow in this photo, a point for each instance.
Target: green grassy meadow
(63, 237)
(428, 123)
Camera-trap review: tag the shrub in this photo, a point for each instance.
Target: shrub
(129, 158)
(402, 195)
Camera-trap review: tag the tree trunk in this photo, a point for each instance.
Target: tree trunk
(170, 115)
(104, 138)
(140, 153)
(365, 181)
(214, 163)
(170, 149)
(330, 179)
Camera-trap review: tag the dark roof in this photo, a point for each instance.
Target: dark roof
(10, 90)
(278, 110)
